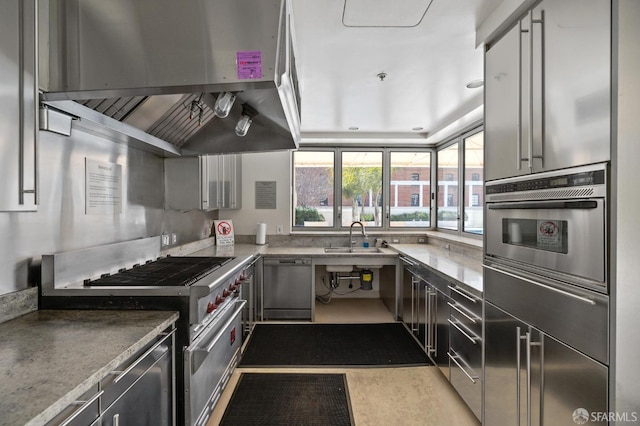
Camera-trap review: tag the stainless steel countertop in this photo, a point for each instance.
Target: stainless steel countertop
(49, 358)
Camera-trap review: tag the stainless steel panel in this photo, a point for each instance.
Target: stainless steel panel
(570, 381)
(61, 224)
(575, 113)
(209, 362)
(287, 291)
(578, 317)
(502, 108)
(72, 267)
(18, 106)
(536, 118)
(132, 44)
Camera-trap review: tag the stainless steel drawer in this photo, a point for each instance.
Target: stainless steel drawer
(83, 411)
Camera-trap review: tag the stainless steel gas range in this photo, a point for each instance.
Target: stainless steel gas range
(207, 291)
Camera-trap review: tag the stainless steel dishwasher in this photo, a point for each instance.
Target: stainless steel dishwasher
(286, 291)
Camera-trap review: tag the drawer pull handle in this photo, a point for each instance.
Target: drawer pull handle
(466, 315)
(463, 293)
(473, 339)
(454, 358)
(86, 403)
(143, 356)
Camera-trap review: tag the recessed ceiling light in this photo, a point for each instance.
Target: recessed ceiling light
(417, 129)
(474, 84)
(353, 128)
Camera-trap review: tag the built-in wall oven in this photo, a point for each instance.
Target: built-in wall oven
(546, 310)
(552, 224)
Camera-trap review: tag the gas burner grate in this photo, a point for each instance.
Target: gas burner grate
(165, 272)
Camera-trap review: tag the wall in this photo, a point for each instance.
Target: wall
(263, 166)
(60, 224)
(625, 293)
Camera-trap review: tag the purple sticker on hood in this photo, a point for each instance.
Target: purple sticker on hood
(249, 64)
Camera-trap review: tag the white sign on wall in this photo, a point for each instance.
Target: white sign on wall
(103, 187)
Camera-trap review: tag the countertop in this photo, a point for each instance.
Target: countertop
(49, 358)
(235, 250)
(319, 252)
(463, 269)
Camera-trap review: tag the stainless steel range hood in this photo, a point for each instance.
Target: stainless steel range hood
(158, 65)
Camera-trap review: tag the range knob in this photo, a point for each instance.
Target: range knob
(232, 287)
(239, 281)
(219, 299)
(225, 293)
(243, 276)
(211, 307)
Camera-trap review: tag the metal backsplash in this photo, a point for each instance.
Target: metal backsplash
(60, 224)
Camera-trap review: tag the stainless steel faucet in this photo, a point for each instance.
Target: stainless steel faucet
(364, 232)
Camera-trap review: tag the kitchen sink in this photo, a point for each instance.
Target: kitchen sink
(352, 250)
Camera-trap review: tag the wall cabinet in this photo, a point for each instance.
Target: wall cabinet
(531, 378)
(548, 90)
(18, 106)
(208, 182)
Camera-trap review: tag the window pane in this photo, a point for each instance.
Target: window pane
(448, 187)
(313, 188)
(362, 188)
(474, 177)
(410, 189)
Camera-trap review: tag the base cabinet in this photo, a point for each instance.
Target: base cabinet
(531, 378)
(139, 392)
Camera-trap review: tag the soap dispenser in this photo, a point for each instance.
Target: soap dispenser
(365, 243)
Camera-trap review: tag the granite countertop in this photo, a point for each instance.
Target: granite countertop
(463, 269)
(49, 358)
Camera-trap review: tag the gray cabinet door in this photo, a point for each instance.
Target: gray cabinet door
(548, 90)
(505, 386)
(503, 127)
(18, 106)
(531, 378)
(571, 83)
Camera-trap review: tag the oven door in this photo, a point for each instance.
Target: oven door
(563, 239)
(209, 362)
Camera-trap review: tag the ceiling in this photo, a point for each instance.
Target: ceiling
(426, 50)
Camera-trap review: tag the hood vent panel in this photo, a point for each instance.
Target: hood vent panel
(157, 66)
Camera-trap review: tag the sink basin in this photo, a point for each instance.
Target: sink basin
(352, 250)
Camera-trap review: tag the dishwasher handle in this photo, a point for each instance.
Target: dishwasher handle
(287, 262)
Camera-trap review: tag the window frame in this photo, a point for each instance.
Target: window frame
(386, 187)
(460, 140)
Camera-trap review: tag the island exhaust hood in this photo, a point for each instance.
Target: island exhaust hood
(159, 66)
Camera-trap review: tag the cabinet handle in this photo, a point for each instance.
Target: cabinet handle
(542, 129)
(474, 339)
(76, 413)
(407, 261)
(21, 103)
(116, 420)
(519, 158)
(463, 313)
(519, 338)
(528, 339)
(432, 326)
(143, 356)
(454, 358)
(463, 293)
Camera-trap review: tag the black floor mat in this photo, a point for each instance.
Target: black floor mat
(278, 345)
(289, 399)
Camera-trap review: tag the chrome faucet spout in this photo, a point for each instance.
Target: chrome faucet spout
(362, 230)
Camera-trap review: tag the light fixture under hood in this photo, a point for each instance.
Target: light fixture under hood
(248, 114)
(223, 104)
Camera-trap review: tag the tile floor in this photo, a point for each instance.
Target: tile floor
(402, 396)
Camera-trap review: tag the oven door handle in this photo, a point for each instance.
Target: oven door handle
(200, 354)
(586, 204)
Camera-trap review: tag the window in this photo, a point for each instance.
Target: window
(382, 188)
(447, 208)
(313, 188)
(474, 167)
(361, 187)
(453, 204)
(409, 198)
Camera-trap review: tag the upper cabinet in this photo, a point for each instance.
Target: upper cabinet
(18, 106)
(208, 182)
(548, 90)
